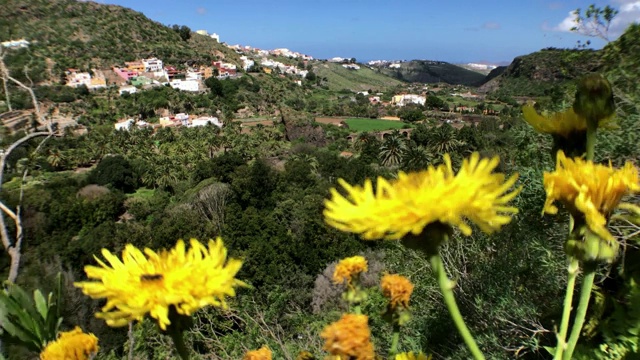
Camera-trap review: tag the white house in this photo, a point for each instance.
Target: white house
(215, 37)
(351, 66)
(185, 85)
(22, 43)
(130, 89)
(193, 75)
(246, 63)
(202, 32)
(152, 65)
(76, 79)
(204, 120)
(124, 125)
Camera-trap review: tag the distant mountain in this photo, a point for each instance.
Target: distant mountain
(85, 34)
(426, 71)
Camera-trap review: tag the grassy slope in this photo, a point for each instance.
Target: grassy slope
(340, 78)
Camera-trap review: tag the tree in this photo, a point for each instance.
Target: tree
(114, 171)
(595, 21)
(411, 114)
(434, 102)
(184, 31)
(392, 149)
(13, 246)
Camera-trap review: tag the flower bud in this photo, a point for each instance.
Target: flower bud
(594, 98)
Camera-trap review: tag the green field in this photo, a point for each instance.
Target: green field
(357, 125)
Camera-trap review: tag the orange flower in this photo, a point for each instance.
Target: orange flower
(348, 268)
(261, 354)
(397, 289)
(349, 338)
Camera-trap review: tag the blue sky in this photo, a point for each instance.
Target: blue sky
(447, 30)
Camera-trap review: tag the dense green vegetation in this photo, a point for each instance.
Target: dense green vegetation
(263, 192)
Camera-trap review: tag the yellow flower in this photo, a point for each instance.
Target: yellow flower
(348, 268)
(565, 123)
(349, 338)
(261, 354)
(409, 203)
(397, 289)
(71, 345)
(412, 356)
(305, 355)
(151, 284)
(589, 190)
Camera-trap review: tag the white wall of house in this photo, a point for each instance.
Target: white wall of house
(128, 89)
(185, 85)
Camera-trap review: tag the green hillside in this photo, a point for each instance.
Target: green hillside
(339, 78)
(85, 34)
(536, 73)
(426, 71)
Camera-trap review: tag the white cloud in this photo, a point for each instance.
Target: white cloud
(629, 12)
(201, 10)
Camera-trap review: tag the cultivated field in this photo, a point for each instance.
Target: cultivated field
(357, 125)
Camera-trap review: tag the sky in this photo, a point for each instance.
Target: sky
(457, 31)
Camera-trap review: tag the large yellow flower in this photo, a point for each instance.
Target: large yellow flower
(348, 268)
(71, 345)
(414, 200)
(589, 190)
(412, 356)
(565, 123)
(349, 338)
(151, 284)
(397, 289)
(261, 354)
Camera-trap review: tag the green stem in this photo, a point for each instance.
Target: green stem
(356, 309)
(583, 305)
(572, 274)
(592, 129)
(446, 286)
(178, 341)
(395, 339)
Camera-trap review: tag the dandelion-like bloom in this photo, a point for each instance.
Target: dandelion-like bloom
(71, 345)
(348, 268)
(589, 190)
(566, 123)
(305, 355)
(412, 356)
(397, 289)
(261, 354)
(349, 338)
(152, 283)
(411, 202)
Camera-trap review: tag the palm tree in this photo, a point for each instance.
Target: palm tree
(392, 149)
(56, 158)
(416, 158)
(444, 140)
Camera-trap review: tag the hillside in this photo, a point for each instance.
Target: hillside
(84, 34)
(426, 71)
(339, 78)
(533, 74)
